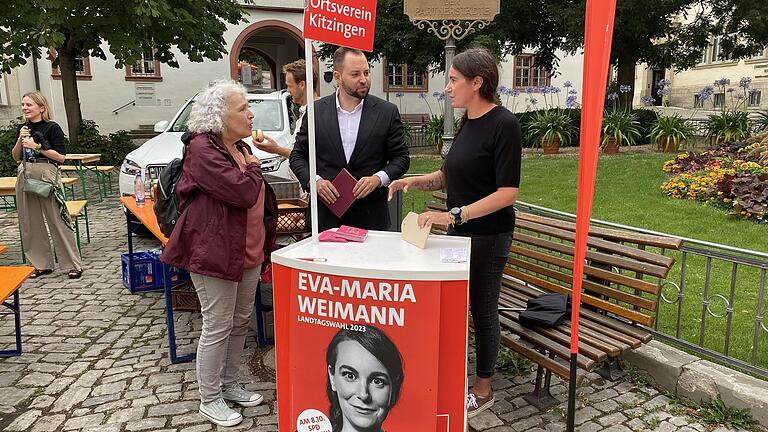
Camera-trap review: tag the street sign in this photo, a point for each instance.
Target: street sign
(434, 10)
(348, 23)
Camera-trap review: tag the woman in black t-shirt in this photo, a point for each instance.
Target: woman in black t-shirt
(481, 174)
(40, 148)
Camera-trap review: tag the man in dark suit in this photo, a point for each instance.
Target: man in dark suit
(359, 132)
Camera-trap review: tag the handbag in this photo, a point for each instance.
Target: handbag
(35, 186)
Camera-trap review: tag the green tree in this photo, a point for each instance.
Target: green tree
(130, 27)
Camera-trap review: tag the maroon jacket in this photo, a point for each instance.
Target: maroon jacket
(214, 195)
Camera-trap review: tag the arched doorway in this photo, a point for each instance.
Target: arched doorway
(263, 45)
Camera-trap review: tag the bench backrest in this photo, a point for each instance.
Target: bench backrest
(622, 278)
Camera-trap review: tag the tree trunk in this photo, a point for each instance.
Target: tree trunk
(69, 90)
(626, 77)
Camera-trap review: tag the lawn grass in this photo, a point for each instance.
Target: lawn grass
(627, 192)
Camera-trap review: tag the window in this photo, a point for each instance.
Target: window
(703, 58)
(82, 66)
(400, 78)
(754, 98)
(697, 102)
(719, 100)
(146, 68)
(717, 55)
(3, 97)
(527, 74)
(759, 54)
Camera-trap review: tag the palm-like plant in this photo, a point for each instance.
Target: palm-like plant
(551, 125)
(728, 126)
(670, 131)
(761, 122)
(621, 126)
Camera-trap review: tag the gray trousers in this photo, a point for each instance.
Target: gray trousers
(226, 307)
(34, 212)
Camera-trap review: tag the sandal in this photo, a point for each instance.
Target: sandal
(37, 273)
(75, 274)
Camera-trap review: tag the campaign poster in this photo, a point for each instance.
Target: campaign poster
(360, 352)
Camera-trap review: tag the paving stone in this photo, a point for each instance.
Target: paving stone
(85, 421)
(24, 421)
(49, 423)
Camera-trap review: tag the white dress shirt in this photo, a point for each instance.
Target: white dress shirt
(349, 124)
(302, 110)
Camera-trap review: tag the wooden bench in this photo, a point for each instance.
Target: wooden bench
(620, 294)
(103, 176)
(11, 279)
(79, 209)
(415, 119)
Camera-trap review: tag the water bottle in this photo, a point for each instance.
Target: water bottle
(29, 154)
(148, 186)
(138, 191)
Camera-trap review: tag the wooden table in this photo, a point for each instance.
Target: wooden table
(80, 159)
(135, 217)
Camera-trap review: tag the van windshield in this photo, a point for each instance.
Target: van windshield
(267, 116)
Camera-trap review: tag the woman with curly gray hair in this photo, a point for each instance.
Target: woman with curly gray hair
(223, 237)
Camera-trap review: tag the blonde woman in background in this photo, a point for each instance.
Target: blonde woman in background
(40, 149)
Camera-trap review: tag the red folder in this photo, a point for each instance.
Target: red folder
(344, 184)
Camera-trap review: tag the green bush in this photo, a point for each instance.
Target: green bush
(7, 140)
(113, 147)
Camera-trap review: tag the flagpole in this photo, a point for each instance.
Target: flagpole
(311, 135)
(598, 33)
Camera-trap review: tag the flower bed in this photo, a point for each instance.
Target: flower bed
(732, 175)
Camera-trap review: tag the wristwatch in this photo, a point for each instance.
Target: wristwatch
(456, 215)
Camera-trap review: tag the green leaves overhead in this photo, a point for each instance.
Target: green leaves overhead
(129, 27)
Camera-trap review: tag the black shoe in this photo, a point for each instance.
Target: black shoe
(75, 274)
(37, 273)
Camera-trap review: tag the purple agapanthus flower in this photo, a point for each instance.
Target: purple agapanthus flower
(545, 90)
(555, 89)
(731, 90)
(399, 94)
(440, 96)
(573, 92)
(624, 88)
(722, 82)
(745, 82)
(422, 95)
(529, 89)
(502, 90)
(570, 101)
(568, 84)
(613, 96)
(664, 82)
(514, 92)
(647, 100)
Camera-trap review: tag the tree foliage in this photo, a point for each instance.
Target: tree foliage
(129, 28)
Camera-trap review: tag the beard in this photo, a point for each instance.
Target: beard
(359, 93)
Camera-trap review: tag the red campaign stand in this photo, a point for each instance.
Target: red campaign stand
(393, 320)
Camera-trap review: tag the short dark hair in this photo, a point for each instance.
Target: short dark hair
(341, 54)
(376, 342)
(479, 62)
(298, 69)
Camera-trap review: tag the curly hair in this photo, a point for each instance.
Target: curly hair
(211, 105)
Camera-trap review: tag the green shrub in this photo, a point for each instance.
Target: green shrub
(7, 140)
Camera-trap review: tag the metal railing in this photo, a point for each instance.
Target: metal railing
(712, 303)
(116, 111)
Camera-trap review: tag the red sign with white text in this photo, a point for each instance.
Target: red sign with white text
(369, 353)
(348, 23)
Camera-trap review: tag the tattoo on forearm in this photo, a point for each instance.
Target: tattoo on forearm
(435, 183)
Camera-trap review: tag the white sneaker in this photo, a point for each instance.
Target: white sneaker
(239, 395)
(218, 412)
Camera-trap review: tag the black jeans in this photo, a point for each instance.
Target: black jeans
(486, 265)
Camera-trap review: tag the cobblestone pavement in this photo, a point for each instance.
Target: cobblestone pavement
(95, 359)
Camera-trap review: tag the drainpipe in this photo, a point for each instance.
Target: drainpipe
(36, 71)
